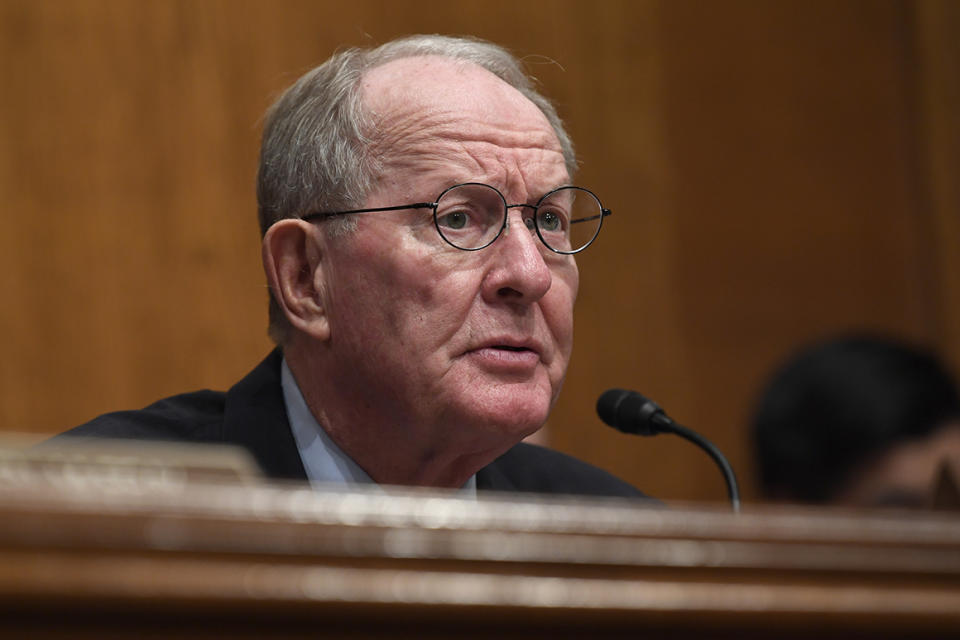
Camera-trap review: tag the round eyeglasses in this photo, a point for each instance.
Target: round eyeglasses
(472, 215)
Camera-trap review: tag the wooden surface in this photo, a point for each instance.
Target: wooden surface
(778, 171)
(83, 555)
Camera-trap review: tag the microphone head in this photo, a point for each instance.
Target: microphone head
(630, 412)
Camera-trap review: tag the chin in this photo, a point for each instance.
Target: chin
(514, 415)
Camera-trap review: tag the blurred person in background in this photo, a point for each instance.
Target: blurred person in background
(857, 421)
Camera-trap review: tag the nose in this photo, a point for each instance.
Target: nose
(518, 272)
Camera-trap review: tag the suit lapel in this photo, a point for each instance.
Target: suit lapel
(492, 478)
(255, 417)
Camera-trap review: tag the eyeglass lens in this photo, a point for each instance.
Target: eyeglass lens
(470, 216)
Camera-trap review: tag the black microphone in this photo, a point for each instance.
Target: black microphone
(630, 412)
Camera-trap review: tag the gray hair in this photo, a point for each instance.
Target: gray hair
(317, 137)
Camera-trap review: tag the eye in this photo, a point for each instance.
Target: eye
(457, 219)
(550, 221)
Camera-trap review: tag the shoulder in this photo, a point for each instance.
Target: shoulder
(531, 468)
(192, 417)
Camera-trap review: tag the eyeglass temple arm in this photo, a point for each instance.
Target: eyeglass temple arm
(603, 214)
(330, 214)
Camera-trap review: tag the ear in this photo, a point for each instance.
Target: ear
(292, 260)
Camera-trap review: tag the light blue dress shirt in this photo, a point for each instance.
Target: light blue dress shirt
(323, 460)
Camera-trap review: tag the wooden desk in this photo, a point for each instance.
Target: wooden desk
(161, 557)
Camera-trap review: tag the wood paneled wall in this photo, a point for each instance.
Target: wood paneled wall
(778, 171)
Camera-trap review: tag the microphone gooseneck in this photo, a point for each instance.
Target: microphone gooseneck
(630, 412)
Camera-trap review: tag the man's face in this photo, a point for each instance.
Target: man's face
(465, 350)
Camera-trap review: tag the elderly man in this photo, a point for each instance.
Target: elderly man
(418, 239)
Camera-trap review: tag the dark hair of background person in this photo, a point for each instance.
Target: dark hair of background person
(837, 404)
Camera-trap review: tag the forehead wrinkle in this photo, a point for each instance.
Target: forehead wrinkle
(451, 162)
(489, 151)
(425, 125)
(537, 171)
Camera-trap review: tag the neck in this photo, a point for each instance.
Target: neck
(378, 437)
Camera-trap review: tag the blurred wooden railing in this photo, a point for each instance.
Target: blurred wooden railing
(102, 552)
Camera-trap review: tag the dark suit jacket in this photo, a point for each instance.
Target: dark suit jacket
(252, 414)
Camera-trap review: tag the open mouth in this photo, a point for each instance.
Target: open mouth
(507, 347)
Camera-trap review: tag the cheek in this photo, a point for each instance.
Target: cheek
(558, 306)
(407, 291)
